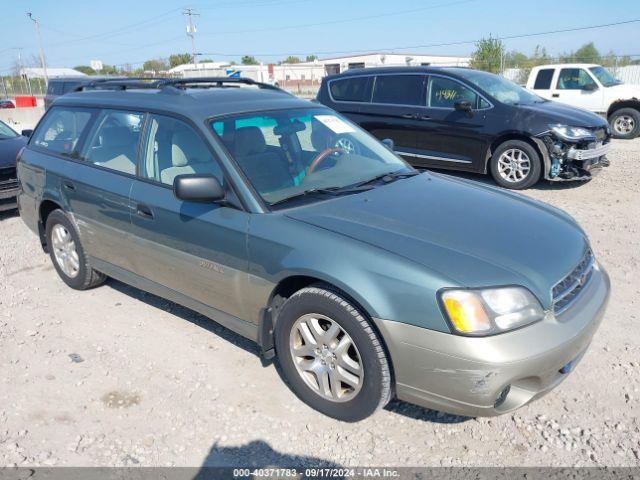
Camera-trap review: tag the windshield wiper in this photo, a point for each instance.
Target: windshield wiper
(311, 191)
(388, 177)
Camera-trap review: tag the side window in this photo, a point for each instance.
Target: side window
(445, 93)
(574, 79)
(113, 141)
(399, 89)
(543, 79)
(350, 89)
(173, 148)
(61, 129)
(54, 88)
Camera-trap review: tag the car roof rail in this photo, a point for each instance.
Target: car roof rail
(211, 82)
(123, 83)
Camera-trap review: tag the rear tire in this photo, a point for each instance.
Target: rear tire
(67, 254)
(515, 165)
(625, 123)
(345, 376)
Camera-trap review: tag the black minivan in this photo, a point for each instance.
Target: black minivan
(473, 121)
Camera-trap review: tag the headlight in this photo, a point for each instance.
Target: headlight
(490, 310)
(566, 132)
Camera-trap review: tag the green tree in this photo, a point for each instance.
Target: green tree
(85, 69)
(155, 65)
(205, 60)
(588, 53)
(488, 55)
(515, 59)
(109, 70)
(179, 59)
(292, 59)
(249, 60)
(311, 58)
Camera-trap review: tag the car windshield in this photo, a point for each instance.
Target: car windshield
(6, 132)
(605, 76)
(500, 88)
(286, 153)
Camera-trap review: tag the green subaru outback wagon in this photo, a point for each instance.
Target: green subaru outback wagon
(288, 224)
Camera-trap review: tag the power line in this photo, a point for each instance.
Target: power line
(429, 45)
(191, 33)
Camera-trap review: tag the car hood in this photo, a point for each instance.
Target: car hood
(550, 112)
(473, 234)
(9, 149)
(624, 91)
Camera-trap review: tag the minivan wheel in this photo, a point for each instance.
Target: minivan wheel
(67, 254)
(515, 164)
(330, 355)
(625, 123)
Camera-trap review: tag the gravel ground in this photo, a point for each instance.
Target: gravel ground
(114, 376)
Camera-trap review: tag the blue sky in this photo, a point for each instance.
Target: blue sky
(124, 31)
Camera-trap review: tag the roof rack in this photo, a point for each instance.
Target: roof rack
(122, 83)
(208, 82)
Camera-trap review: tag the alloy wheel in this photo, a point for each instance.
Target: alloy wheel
(624, 124)
(326, 357)
(64, 251)
(514, 165)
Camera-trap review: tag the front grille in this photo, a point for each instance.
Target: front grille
(568, 289)
(8, 180)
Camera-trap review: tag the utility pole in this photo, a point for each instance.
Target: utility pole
(44, 64)
(191, 33)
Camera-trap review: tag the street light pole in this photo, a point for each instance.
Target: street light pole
(44, 64)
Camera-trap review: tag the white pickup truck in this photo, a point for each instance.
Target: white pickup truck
(591, 87)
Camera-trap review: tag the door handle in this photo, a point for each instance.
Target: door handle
(144, 211)
(69, 185)
(423, 117)
(555, 95)
(409, 115)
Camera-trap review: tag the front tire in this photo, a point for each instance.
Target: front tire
(330, 355)
(516, 165)
(67, 254)
(625, 123)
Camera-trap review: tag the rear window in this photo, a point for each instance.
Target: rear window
(71, 86)
(543, 80)
(54, 88)
(399, 89)
(61, 129)
(350, 89)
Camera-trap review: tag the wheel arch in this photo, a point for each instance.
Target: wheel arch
(44, 210)
(507, 136)
(290, 284)
(619, 104)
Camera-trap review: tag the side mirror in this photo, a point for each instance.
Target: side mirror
(198, 188)
(590, 87)
(387, 142)
(462, 106)
(27, 133)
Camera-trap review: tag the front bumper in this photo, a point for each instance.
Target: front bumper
(469, 376)
(8, 192)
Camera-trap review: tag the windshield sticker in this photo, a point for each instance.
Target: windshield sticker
(336, 124)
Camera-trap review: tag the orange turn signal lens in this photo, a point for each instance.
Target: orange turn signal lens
(466, 311)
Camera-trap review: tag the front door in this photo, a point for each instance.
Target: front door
(195, 249)
(576, 87)
(450, 138)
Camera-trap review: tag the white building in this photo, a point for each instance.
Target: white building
(369, 60)
(38, 72)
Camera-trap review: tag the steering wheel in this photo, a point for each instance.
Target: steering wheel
(347, 144)
(322, 156)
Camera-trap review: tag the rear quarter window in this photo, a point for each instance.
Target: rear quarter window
(350, 89)
(61, 129)
(54, 88)
(543, 79)
(399, 89)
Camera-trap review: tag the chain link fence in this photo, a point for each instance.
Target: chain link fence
(13, 86)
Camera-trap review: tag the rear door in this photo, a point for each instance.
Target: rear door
(577, 87)
(101, 184)
(394, 109)
(195, 249)
(542, 82)
(449, 138)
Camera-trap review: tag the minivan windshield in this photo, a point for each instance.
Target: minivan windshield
(6, 131)
(500, 88)
(287, 153)
(605, 77)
